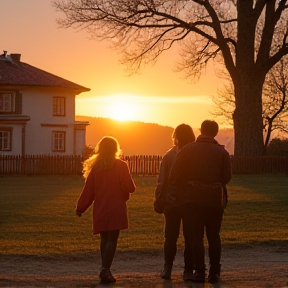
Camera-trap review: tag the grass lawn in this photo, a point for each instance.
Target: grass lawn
(37, 215)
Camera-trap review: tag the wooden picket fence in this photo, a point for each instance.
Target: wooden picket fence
(144, 165)
(140, 165)
(40, 164)
(43, 164)
(259, 165)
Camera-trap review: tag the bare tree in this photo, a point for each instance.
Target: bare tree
(275, 102)
(226, 31)
(224, 105)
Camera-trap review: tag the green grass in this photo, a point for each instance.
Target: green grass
(257, 211)
(37, 215)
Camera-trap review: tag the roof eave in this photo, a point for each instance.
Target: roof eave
(79, 90)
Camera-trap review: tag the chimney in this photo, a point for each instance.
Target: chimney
(15, 57)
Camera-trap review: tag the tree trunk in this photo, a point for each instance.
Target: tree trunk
(248, 123)
(248, 84)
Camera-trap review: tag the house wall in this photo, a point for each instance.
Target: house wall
(16, 140)
(80, 141)
(38, 105)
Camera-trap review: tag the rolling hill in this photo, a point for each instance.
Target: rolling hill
(139, 138)
(135, 138)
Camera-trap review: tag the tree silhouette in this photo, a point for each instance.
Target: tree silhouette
(229, 32)
(275, 102)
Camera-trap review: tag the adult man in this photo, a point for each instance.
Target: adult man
(202, 169)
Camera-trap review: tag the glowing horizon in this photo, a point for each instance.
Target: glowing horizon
(123, 107)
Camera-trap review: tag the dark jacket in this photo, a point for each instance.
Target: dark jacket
(203, 161)
(162, 180)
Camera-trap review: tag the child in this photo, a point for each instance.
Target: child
(108, 186)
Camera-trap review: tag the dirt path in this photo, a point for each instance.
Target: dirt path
(259, 267)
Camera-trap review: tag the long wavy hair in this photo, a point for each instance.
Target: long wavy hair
(106, 151)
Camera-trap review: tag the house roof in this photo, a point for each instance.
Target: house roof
(13, 72)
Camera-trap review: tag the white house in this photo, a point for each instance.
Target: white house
(37, 111)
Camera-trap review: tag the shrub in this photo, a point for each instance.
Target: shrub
(87, 152)
(278, 147)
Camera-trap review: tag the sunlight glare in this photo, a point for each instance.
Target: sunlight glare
(166, 111)
(123, 108)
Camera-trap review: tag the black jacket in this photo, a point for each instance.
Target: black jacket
(162, 180)
(203, 161)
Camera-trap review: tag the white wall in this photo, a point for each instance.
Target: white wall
(38, 105)
(80, 141)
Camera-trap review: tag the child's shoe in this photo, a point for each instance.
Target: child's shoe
(166, 273)
(106, 276)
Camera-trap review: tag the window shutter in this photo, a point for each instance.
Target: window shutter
(18, 102)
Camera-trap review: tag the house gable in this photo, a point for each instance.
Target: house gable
(37, 110)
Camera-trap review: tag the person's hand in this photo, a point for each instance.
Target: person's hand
(79, 214)
(159, 206)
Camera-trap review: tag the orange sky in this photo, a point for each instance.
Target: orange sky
(157, 95)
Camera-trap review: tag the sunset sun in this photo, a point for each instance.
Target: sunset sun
(121, 111)
(122, 108)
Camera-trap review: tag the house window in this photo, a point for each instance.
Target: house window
(59, 140)
(7, 101)
(59, 106)
(5, 139)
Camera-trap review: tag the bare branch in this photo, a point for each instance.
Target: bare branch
(246, 38)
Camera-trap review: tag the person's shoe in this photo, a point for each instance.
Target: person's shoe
(166, 273)
(187, 275)
(198, 276)
(106, 276)
(213, 278)
(214, 273)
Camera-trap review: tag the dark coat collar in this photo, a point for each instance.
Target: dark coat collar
(206, 139)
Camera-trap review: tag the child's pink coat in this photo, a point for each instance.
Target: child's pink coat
(108, 190)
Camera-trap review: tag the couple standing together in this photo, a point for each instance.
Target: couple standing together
(191, 188)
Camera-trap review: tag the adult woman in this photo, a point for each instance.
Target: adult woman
(182, 135)
(108, 186)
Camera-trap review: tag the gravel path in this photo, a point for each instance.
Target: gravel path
(246, 267)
